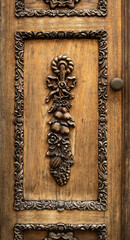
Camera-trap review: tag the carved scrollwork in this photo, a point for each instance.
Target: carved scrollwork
(61, 3)
(101, 11)
(60, 231)
(58, 138)
(60, 236)
(101, 202)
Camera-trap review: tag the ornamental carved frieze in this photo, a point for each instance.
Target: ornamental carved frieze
(60, 85)
(61, 3)
(60, 236)
(60, 231)
(61, 8)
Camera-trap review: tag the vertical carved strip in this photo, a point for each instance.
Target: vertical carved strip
(18, 121)
(61, 158)
(102, 124)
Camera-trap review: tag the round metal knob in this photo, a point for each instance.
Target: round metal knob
(117, 84)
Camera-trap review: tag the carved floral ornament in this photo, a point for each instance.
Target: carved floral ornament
(20, 202)
(60, 236)
(61, 8)
(60, 231)
(58, 138)
(61, 3)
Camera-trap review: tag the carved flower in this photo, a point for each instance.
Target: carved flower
(59, 102)
(65, 103)
(60, 87)
(60, 148)
(62, 84)
(53, 138)
(65, 147)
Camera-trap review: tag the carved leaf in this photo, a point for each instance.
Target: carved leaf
(55, 162)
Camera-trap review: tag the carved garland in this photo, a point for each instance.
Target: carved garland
(101, 11)
(59, 231)
(58, 138)
(101, 202)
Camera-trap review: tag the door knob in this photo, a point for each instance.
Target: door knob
(117, 84)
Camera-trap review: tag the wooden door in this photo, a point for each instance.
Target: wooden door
(63, 135)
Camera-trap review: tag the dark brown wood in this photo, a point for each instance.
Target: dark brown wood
(61, 4)
(20, 202)
(60, 85)
(126, 120)
(59, 231)
(20, 11)
(111, 217)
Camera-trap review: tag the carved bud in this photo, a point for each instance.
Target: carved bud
(66, 115)
(59, 114)
(64, 109)
(56, 126)
(65, 130)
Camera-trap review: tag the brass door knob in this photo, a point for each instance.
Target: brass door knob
(117, 84)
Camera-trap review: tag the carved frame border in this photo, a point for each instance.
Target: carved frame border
(19, 229)
(101, 203)
(101, 11)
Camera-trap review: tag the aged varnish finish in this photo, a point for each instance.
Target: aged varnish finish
(64, 138)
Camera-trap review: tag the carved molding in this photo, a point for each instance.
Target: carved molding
(60, 231)
(60, 86)
(101, 11)
(61, 3)
(60, 236)
(101, 202)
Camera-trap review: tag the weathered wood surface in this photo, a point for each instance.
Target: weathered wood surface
(29, 4)
(84, 110)
(126, 121)
(112, 217)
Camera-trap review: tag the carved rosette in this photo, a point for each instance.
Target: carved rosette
(61, 3)
(58, 137)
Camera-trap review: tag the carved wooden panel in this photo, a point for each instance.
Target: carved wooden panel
(60, 231)
(21, 119)
(60, 8)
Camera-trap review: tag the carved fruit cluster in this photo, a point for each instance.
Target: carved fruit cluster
(61, 158)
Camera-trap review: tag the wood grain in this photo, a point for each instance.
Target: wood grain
(40, 4)
(126, 121)
(84, 138)
(34, 235)
(112, 217)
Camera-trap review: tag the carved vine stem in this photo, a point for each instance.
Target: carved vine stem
(58, 138)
